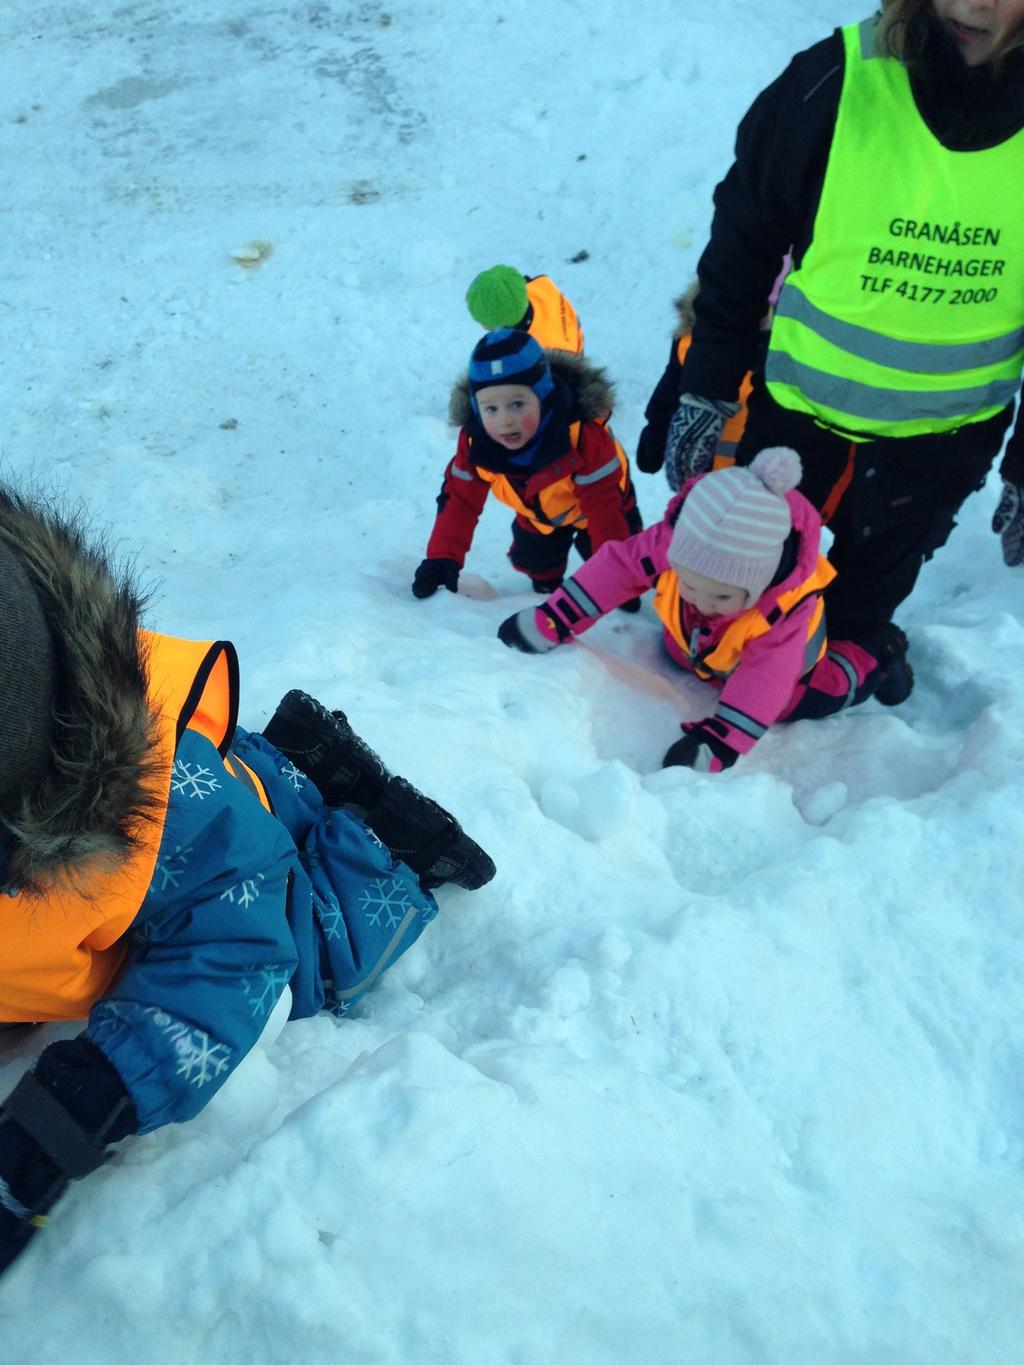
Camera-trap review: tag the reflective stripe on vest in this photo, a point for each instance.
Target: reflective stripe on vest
(906, 314)
(61, 953)
(557, 505)
(724, 657)
(554, 323)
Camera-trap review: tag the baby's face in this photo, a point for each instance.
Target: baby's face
(510, 414)
(710, 597)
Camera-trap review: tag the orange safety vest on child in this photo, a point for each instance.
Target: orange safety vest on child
(62, 952)
(724, 657)
(550, 499)
(553, 321)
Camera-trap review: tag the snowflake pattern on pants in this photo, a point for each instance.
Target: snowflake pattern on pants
(200, 1059)
(385, 903)
(193, 780)
(294, 775)
(170, 867)
(264, 989)
(328, 912)
(245, 892)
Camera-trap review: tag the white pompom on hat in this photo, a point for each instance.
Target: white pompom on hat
(734, 522)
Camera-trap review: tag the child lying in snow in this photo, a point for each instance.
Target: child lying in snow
(167, 874)
(738, 581)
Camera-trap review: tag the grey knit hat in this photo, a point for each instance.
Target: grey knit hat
(27, 677)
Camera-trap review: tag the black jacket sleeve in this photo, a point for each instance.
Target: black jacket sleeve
(1012, 468)
(765, 205)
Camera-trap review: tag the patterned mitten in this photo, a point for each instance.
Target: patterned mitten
(1008, 524)
(693, 437)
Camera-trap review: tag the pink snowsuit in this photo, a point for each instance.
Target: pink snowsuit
(776, 678)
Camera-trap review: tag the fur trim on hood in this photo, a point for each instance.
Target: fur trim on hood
(592, 391)
(685, 314)
(92, 801)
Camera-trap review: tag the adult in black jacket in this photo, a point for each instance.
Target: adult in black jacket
(889, 494)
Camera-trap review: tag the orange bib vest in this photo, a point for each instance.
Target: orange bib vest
(554, 324)
(724, 657)
(556, 505)
(62, 952)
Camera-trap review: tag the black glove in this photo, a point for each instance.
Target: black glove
(433, 574)
(701, 748)
(632, 605)
(693, 436)
(521, 632)
(54, 1127)
(650, 448)
(1008, 523)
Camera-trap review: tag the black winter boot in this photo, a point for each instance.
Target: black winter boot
(896, 677)
(324, 746)
(427, 839)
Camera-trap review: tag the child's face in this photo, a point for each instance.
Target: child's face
(979, 26)
(710, 597)
(510, 413)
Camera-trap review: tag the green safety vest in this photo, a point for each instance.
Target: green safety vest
(906, 314)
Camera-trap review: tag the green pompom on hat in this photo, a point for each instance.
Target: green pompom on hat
(497, 297)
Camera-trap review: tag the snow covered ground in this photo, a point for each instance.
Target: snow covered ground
(718, 1069)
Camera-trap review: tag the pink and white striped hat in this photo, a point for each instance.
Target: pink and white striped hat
(734, 522)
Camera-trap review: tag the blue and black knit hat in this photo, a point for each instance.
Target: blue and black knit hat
(509, 357)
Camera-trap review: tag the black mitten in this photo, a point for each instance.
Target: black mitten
(433, 574)
(701, 749)
(54, 1127)
(522, 632)
(650, 448)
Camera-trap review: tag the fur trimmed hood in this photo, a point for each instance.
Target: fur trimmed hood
(685, 314)
(591, 391)
(89, 805)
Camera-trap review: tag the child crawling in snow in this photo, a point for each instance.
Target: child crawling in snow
(532, 432)
(738, 579)
(167, 875)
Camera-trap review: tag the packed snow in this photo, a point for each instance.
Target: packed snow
(719, 1068)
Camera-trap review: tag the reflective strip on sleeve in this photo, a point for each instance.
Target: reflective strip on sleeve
(612, 467)
(581, 597)
(740, 721)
